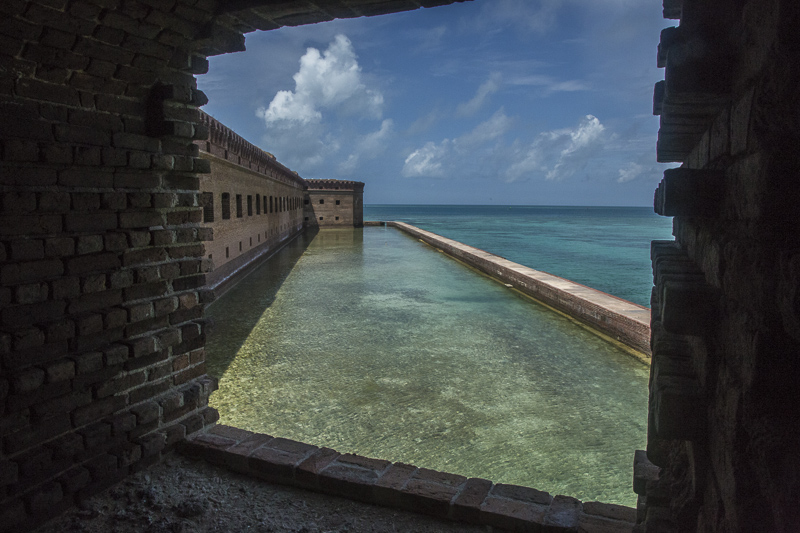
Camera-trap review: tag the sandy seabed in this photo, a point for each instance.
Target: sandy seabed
(182, 495)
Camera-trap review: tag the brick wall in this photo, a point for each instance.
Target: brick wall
(270, 196)
(101, 250)
(103, 256)
(334, 203)
(726, 306)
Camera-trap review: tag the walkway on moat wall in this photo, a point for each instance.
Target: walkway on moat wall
(398, 485)
(620, 320)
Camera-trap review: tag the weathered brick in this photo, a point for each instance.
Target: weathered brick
(27, 380)
(88, 244)
(93, 263)
(96, 410)
(25, 315)
(48, 92)
(69, 133)
(74, 479)
(29, 225)
(61, 370)
(95, 301)
(96, 222)
(66, 287)
(95, 283)
(88, 362)
(32, 293)
(87, 325)
(59, 247)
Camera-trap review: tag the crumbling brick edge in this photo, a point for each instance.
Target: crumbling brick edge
(380, 482)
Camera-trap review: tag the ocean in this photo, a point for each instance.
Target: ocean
(606, 248)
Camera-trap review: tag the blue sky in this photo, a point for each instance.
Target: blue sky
(528, 102)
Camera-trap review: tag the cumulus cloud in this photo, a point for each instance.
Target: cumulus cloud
(441, 160)
(558, 154)
(369, 146)
(630, 172)
(328, 85)
(326, 80)
(490, 86)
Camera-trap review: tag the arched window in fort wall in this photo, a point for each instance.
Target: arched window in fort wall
(207, 203)
(226, 206)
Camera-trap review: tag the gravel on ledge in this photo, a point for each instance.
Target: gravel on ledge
(182, 495)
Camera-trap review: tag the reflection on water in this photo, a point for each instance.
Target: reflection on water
(370, 342)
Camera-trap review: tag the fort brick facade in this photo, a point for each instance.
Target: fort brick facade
(104, 252)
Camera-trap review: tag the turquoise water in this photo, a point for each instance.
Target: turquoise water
(370, 342)
(606, 248)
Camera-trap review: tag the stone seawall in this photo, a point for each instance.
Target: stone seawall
(614, 317)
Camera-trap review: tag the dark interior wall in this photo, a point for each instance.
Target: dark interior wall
(726, 321)
(101, 244)
(101, 329)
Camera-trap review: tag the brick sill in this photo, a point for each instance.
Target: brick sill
(380, 482)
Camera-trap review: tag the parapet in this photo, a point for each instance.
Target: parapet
(335, 185)
(224, 143)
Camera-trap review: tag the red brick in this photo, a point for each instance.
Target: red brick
(467, 505)
(392, 481)
(152, 444)
(96, 410)
(238, 454)
(30, 225)
(513, 515)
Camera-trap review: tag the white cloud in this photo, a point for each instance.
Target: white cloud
(368, 147)
(446, 158)
(332, 80)
(309, 126)
(558, 154)
(490, 86)
(630, 172)
(427, 161)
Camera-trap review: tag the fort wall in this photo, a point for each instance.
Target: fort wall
(334, 203)
(620, 320)
(251, 203)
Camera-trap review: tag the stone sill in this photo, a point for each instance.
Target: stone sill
(380, 482)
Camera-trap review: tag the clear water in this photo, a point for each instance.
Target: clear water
(606, 248)
(370, 342)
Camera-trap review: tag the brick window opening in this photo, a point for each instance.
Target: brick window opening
(240, 246)
(322, 200)
(306, 219)
(227, 252)
(238, 206)
(338, 202)
(207, 202)
(211, 256)
(259, 237)
(305, 201)
(251, 241)
(226, 206)
(270, 204)
(337, 218)
(265, 204)
(249, 205)
(258, 204)
(320, 218)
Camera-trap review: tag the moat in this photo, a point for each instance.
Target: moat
(368, 341)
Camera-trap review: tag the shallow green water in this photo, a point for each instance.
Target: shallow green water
(368, 341)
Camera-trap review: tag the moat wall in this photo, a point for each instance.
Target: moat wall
(620, 320)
